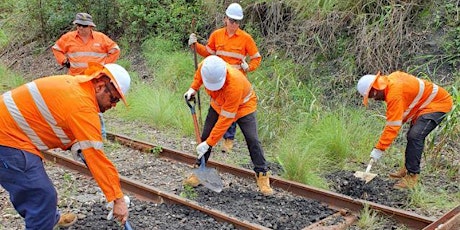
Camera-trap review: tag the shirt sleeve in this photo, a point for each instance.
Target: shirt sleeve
(85, 125)
(393, 123)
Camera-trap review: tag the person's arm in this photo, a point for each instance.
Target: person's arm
(85, 126)
(59, 52)
(113, 51)
(254, 56)
(394, 119)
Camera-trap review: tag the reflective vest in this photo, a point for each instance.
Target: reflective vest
(99, 48)
(234, 100)
(232, 49)
(407, 98)
(54, 112)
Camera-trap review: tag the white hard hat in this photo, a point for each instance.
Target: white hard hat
(234, 11)
(365, 84)
(121, 77)
(213, 72)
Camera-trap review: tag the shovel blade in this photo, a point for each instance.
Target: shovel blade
(209, 178)
(365, 176)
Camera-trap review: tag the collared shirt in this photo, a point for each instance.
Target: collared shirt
(99, 48)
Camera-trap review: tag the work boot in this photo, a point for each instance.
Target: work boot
(402, 172)
(192, 180)
(408, 181)
(67, 220)
(227, 145)
(263, 182)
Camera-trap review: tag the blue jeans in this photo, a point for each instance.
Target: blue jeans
(248, 126)
(31, 191)
(416, 139)
(230, 134)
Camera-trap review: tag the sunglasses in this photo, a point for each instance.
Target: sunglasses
(113, 99)
(80, 25)
(233, 21)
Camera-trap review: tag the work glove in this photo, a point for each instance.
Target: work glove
(202, 148)
(66, 63)
(192, 39)
(189, 94)
(244, 65)
(376, 154)
(77, 152)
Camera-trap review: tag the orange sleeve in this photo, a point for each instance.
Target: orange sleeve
(85, 125)
(394, 119)
(59, 49)
(113, 51)
(197, 79)
(251, 47)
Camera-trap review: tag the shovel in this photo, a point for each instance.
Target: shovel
(366, 176)
(207, 176)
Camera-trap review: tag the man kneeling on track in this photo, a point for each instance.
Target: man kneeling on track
(232, 99)
(56, 112)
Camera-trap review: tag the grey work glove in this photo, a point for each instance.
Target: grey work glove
(376, 154)
(189, 94)
(244, 65)
(192, 39)
(201, 149)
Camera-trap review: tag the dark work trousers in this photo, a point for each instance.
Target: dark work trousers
(230, 134)
(248, 126)
(416, 139)
(31, 191)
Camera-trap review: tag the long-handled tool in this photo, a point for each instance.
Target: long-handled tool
(207, 176)
(366, 176)
(195, 59)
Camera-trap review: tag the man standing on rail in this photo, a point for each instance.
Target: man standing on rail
(232, 45)
(57, 112)
(232, 100)
(408, 99)
(76, 49)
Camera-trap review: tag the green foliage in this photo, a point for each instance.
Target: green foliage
(156, 150)
(9, 80)
(189, 192)
(369, 219)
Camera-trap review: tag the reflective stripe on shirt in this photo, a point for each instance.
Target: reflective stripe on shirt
(98, 145)
(394, 123)
(230, 54)
(21, 122)
(45, 112)
(416, 100)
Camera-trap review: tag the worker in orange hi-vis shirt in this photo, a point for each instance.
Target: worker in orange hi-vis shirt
(233, 45)
(232, 100)
(77, 48)
(409, 99)
(58, 112)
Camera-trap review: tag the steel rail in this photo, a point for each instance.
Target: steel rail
(450, 220)
(334, 200)
(151, 193)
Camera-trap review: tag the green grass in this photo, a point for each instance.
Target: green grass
(9, 80)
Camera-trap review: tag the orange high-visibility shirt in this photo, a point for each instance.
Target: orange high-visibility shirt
(99, 48)
(54, 112)
(234, 100)
(407, 98)
(232, 49)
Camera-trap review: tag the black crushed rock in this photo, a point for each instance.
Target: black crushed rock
(377, 190)
(275, 212)
(146, 215)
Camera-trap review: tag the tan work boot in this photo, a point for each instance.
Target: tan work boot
(227, 145)
(192, 180)
(67, 220)
(263, 182)
(402, 172)
(408, 181)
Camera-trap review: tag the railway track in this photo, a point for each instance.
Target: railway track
(339, 211)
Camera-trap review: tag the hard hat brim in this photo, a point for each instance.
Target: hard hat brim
(366, 95)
